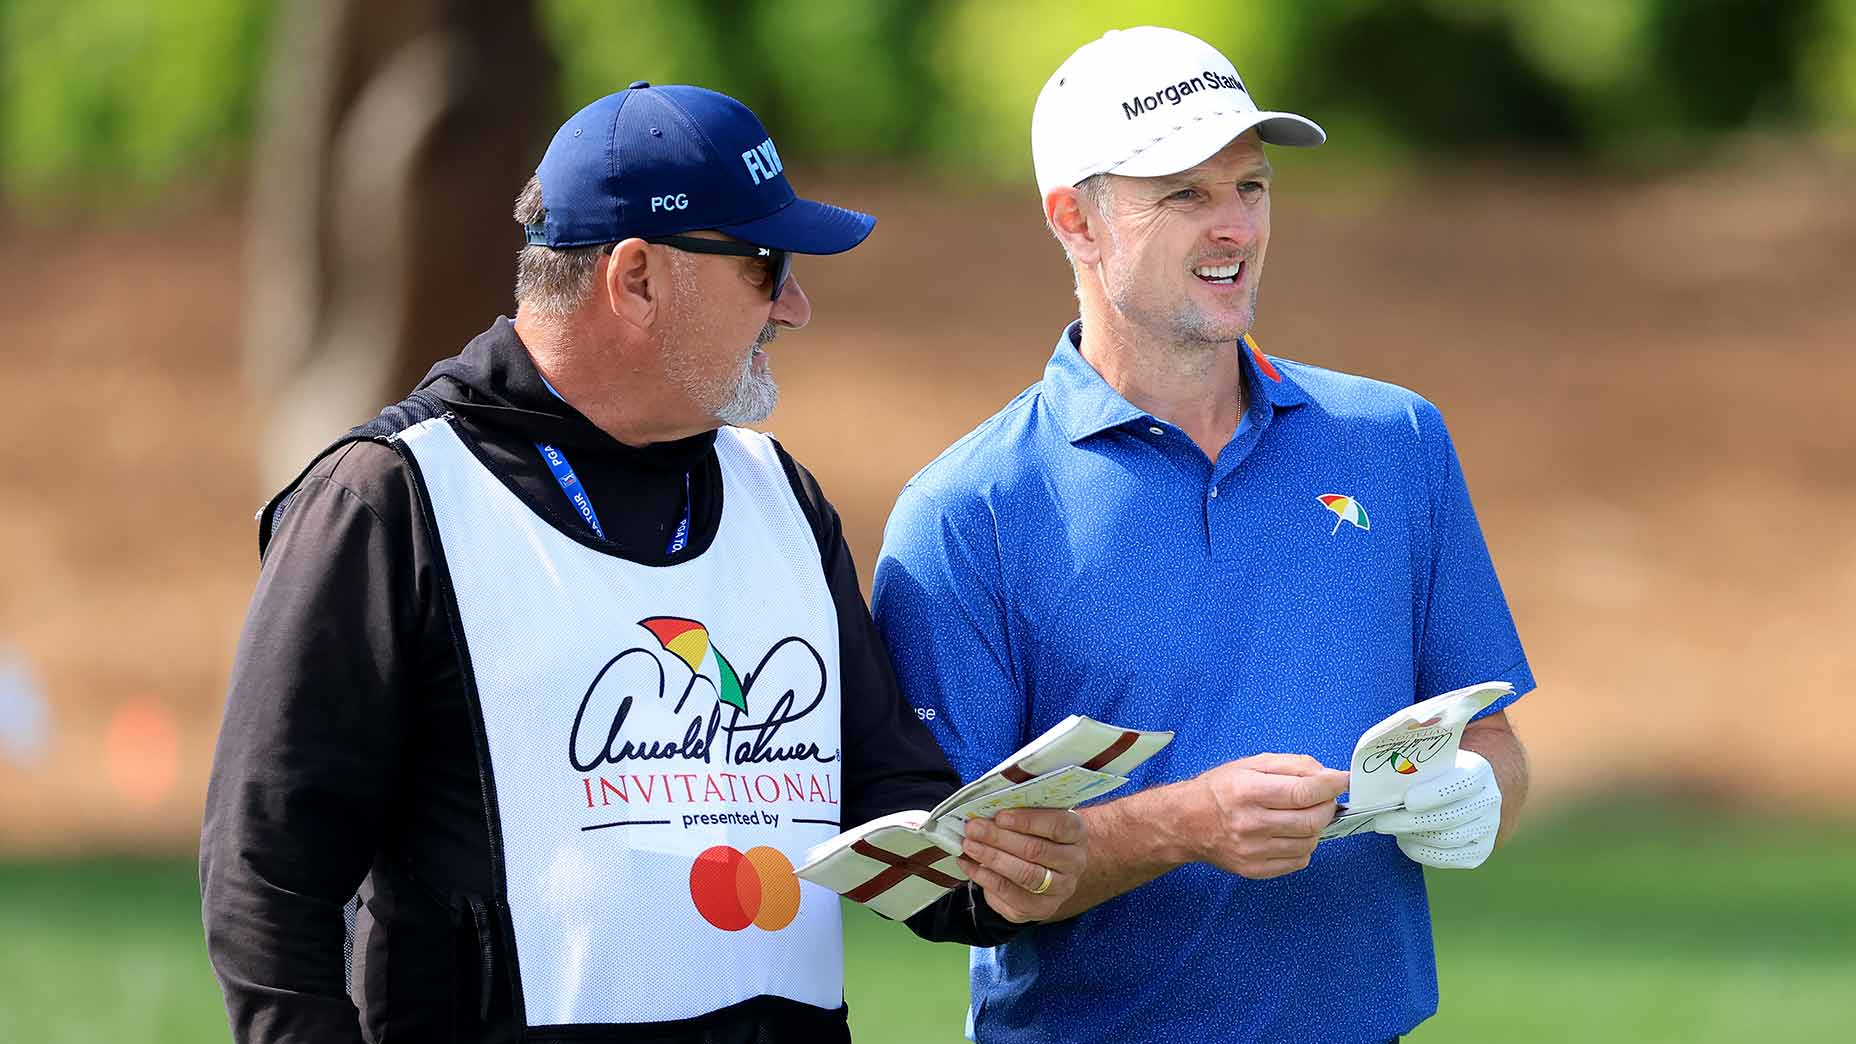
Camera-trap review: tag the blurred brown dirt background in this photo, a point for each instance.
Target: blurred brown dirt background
(1646, 379)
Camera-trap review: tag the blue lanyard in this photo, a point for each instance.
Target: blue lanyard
(680, 537)
(570, 485)
(576, 494)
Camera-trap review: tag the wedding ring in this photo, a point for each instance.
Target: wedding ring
(1044, 886)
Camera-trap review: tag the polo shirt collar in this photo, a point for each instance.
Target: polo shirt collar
(1085, 405)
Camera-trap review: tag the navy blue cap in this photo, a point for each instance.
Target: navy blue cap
(656, 161)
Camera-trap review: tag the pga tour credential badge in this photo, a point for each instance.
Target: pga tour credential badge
(1346, 509)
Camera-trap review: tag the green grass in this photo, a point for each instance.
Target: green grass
(1648, 926)
(1622, 925)
(105, 951)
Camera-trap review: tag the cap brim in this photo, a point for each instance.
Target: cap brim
(1194, 144)
(805, 227)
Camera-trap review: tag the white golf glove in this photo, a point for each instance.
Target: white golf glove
(1450, 821)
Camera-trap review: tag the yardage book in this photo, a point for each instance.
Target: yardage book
(1416, 744)
(901, 862)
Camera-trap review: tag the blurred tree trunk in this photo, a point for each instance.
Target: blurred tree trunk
(395, 137)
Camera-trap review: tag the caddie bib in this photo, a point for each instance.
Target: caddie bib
(662, 744)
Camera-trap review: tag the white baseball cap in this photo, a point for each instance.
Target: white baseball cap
(1144, 102)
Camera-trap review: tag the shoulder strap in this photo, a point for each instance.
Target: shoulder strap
(805, 490)
(413, 409)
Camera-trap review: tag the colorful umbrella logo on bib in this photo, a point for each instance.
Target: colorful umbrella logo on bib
(689, 640)
(1346, 509)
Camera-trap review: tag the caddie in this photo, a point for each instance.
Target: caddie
(562, 671)
(1174, 530)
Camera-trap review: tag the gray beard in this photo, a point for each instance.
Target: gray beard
(755, 395)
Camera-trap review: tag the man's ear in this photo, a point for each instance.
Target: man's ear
(1075, 222)
(634, 285)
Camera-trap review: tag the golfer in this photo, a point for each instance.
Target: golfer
(1173, 530)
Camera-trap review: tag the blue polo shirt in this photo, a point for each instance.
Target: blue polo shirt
(1074, 554)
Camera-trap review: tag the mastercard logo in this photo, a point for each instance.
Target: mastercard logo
(733, 889)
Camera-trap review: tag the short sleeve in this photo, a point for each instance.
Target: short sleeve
(937, 599)
(1468, 634)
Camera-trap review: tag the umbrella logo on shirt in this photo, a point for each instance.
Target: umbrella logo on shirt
(1346, 509)
(689, 640)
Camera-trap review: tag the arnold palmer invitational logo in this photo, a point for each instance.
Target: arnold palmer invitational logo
(1404, 752)
(672, 725)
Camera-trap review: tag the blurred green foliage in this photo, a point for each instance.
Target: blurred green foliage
(136, 92)
(148, 92)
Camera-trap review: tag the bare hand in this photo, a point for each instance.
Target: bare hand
(1026, 860)
(1268, 812)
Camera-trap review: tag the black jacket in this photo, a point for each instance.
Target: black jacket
(347, 757)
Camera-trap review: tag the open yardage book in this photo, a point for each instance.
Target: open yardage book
(1416, 744)
(902, 862)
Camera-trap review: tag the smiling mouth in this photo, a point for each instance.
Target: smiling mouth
(1220, 275)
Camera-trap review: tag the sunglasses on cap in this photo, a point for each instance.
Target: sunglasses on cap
(779, 262)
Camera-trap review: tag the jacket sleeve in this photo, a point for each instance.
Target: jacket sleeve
(891, 763)
(306, 753)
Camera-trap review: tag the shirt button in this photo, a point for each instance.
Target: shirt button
(1155, 429)
(1214, 492)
